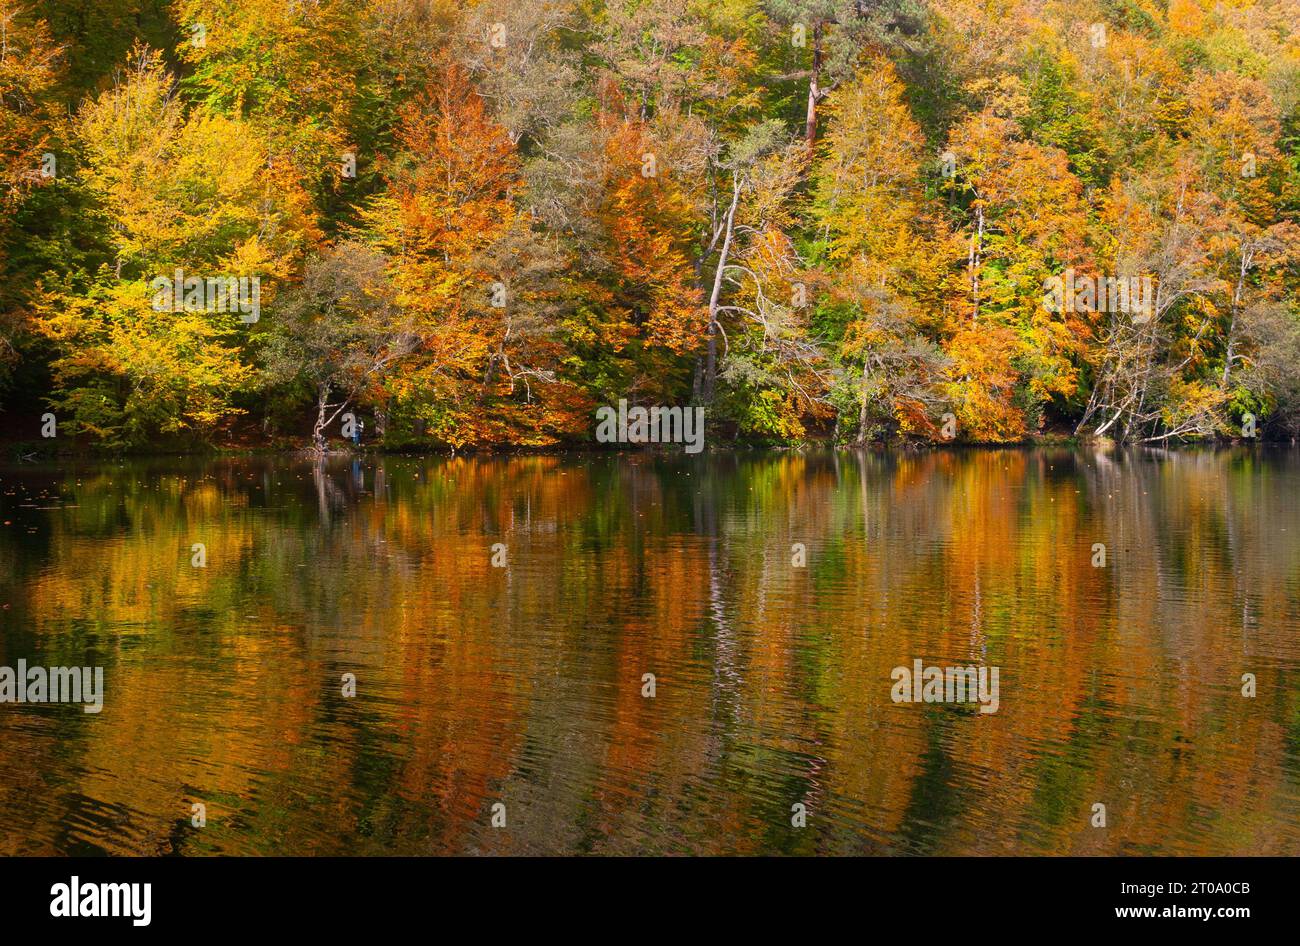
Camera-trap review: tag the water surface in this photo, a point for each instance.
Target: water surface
(523, 685)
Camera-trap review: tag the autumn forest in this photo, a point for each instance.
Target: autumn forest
(472, 224)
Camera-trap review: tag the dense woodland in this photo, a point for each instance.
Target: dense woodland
(473, 224)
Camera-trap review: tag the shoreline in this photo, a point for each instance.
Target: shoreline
(22, 452)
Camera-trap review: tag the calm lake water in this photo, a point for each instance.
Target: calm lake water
(523, 685)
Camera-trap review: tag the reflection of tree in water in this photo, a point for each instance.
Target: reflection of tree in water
(522, 684)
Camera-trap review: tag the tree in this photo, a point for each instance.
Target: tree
(341, 333)
(29, 62)
(869, 203)
(1023, 220)
(189, 193)
(468, 271)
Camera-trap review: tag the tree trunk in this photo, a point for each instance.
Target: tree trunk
(862, 413)
(318, 432)
(1246, 258)
(814, 90)
(711, 359)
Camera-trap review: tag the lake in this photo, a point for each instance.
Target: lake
(498, 617)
